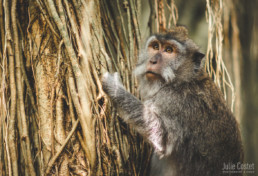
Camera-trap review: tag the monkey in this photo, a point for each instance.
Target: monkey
(182, 113)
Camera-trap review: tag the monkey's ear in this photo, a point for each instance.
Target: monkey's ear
(197, 59)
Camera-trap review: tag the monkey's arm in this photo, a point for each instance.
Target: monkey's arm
(142, 118)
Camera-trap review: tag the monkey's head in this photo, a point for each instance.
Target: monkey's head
(169, 57)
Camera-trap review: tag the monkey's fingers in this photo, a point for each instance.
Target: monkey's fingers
(111, 84)
(106, 78)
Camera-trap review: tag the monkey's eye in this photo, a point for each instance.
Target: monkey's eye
(169, 49)
(155, 46)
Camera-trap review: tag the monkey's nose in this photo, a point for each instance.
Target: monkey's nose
(155, 59)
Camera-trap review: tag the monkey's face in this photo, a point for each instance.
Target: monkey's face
(167, 57)
(162, 59)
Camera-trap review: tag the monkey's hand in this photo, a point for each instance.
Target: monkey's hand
(111, 84)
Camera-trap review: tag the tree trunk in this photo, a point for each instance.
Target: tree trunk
(58, 120)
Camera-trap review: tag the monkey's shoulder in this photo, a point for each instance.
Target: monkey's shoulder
(196, 87)
(195, 96)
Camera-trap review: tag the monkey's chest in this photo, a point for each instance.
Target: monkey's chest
(162, 167)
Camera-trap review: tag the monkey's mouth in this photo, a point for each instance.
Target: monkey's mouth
(152, 76)
(151, 72)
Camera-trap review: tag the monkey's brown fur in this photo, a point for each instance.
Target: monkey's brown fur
(182, 114)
